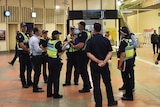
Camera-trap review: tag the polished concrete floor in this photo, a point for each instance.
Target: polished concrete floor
(147, 83)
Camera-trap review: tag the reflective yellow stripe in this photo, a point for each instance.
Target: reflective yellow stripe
(129, 50)
(25, 41)
(51, 50)
(88, 37)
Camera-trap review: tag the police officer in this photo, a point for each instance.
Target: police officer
(99, 50)
(54, 51)
(71, 58)
(24, 59)
(43, 40)
(126, 54)
(134, 42)
(82, 57)
(36, 58)
(16, 53)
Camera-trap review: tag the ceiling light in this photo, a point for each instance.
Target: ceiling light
(119, 3)
(33, 14)
(133, 0)
(57, 7)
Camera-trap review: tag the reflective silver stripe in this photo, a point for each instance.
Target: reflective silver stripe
(129, 48)
(20, 49)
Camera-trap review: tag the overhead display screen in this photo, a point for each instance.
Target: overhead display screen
(93, 14)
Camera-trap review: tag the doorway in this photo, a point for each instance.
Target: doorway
(12, 28)
(40, 26)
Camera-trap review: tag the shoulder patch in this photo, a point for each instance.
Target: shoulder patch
(19, 36)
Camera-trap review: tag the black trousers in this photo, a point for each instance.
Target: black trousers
(132, 79)
(127, 78)
(44, 67)
(54, 67)
(24, 60)
(155, 45)
(98, 72)
(72, 61)
(131, 74)
(82, 67)
(36, 61)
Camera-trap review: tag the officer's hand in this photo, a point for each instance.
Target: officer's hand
(101, 64)
(120, 68)
(64, 43)
(156, 62)
(43, 48)
(71, 44)
(28, 51)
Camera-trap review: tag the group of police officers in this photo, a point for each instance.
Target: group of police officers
(35, 51)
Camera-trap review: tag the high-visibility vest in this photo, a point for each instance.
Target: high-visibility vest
(25, 41)
(70, 49)
(129, 49)
(88, 37)
(51, 49)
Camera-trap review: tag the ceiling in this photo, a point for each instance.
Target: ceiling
(140, 4)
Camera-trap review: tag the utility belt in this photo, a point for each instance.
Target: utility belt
(83, 51)
(36, 55)
(72, 52)
(54, 58)
(22, 52)
(44, 54)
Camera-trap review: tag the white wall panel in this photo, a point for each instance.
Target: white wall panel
(50, 28)
(108, 4)
(94, 4)
(13, 3)
(49, 4)
(38, 3)
(2, 2)
(79, 4)
(26, 3)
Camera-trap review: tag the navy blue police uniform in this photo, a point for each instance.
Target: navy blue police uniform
(54, 66)
(127, 72)
(99, 46)
(82, 62)
(71, 61)
(24, 60)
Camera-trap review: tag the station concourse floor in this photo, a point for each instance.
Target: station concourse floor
(147, 85)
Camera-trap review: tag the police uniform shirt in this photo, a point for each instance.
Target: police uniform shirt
(122, 46)
(20, 39)
(82, 37)
(58, 46)
(43, 42)
(133, 38)
(99, 46)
